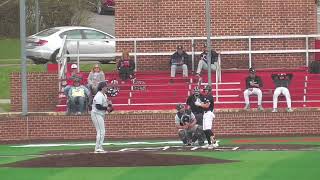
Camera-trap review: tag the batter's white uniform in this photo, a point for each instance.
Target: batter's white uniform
(98, 116)
(208, 120)
(285, 92)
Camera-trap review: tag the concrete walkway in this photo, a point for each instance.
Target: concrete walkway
(4, 101)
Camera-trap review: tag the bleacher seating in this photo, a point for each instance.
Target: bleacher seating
(161, 94)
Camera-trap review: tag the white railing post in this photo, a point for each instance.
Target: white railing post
(250, 53)
(219, 67)
(305, 91)
(192, 54)
(78, 57)
(135, 55)
(307, 51)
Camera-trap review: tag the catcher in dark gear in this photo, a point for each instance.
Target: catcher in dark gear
(188, 131)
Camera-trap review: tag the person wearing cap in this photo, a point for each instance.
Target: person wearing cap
(74, 74)
(95, 76)
(180, 59)
(188, 131)
(282, 82)
(203, 62)
(100, 106)
(77, 97)
(253, 85)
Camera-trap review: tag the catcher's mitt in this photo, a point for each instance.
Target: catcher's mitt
(110, 108)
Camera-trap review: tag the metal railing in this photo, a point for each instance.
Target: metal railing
(63, 55)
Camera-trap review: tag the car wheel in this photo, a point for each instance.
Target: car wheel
(105, 62)
(53, 58)
(39, 61)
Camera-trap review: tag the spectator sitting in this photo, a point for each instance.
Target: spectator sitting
(179, 59)
(77, 98)
(95, 76)
(70, 76)
(126, 67)
(281, 82)
(253, 85)
(203, 62)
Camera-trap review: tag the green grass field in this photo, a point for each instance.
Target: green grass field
(10, 49)
(252, 165)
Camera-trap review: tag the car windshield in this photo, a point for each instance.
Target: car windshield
(47, 32)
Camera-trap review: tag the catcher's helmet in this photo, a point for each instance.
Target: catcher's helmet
(186, 118)
(208, 88)
(179, 107)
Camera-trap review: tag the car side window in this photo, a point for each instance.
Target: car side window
(73, 34)
(91, 34)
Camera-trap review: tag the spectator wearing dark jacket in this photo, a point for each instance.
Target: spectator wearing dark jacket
(253, 87)
(203, 62)
(179, 59)
(126, 67)
(282, 82)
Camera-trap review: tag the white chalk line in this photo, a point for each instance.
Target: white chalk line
(144, 149)
(92, 144)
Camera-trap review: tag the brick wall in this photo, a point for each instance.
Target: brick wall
(160, 125)
(186, 18)
(42, 92)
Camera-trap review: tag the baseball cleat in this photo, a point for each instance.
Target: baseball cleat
(247, 107)
(260, 108)
(211, 146)
(99, 151)
(205, 146)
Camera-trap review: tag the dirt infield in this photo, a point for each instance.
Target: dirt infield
(142, 156)
(125, 159)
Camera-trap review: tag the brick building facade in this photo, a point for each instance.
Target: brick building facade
(181, 18)
(186, 18)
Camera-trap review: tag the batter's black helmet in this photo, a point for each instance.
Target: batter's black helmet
(179, 107)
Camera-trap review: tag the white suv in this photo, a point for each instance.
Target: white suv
(44, 46)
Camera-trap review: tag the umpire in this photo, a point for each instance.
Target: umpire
(188, 131)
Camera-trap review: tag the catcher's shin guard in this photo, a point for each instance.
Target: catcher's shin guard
(183, 136)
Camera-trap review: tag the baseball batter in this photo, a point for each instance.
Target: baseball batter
(100, 106)
(208, 118)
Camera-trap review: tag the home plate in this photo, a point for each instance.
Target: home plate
(194, 148)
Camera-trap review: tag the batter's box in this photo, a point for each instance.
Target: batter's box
(176, 148)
